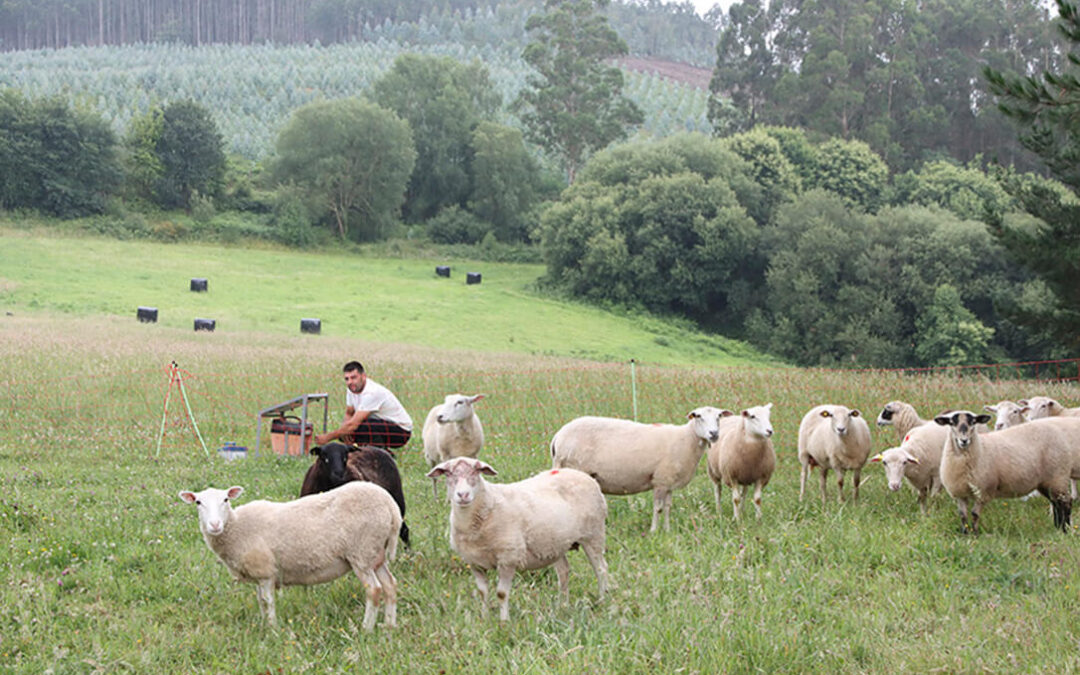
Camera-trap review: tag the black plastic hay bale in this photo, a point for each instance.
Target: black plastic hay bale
(443, 271)
(472, 278)
(313, 326)
(198, 285)
(207, 325)
(147, 314)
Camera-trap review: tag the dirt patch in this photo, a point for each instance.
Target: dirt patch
(672, 70)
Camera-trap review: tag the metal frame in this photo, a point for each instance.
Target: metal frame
(292, 404)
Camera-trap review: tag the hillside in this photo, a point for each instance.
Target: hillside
(683, 73)
(385, 300)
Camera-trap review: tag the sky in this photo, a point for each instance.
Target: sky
(703, 6)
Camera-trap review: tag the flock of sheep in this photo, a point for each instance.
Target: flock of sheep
(353, 511)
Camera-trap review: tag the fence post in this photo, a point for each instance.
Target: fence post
(633, 386)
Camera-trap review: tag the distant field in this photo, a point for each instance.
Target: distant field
(384, 300)
(103, 568)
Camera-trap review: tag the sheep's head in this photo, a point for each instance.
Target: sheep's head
(457, 408)
(884, 418)
(756, 421)
(839, 417)
(961, 425)
(895, 460)
(1009, 414)
(332, 459)
(706, 422)
(464, 478)
(213, 506)
(1041, 406)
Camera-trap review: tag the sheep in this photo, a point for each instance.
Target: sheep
(833, 437)
(1008, 413)
(452, 429)
(337, 464)
(311, 540)
(901, 416)
(1008, 463)
(918, 459)
(523, 526)
(1044, 406)
(627, 457)
(743, 455)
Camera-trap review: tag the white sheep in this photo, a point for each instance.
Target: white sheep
(628, 457)
(743, 455)
(918, 459)
(452, 429)
(1008, 463)
(1040, 407)
(833, 437)
(311, 540)
(1008, 413)
(523, 526)
(901, 416)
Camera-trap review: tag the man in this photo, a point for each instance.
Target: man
(373, 415)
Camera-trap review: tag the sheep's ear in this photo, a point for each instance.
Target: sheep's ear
(481, 467)
(315, 449)
(1025, 410)
(724, 412)
(474, 399)
(1023, 402)
(982, 419)
(769, 406)
(944, 420)
(692, 414)
(187, 496)
(990, 409)
(908, 457)
(439, 470)
(876, 458)
(234, 492)
(855, 412)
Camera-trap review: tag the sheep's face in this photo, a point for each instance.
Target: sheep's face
(1042, 406)
(895, 461)
(706, 422)
(457, 408)
(884, 418)
(464, 478)
(1009, 414)
(756, 421)
(961, 425)
(332, 458)
(839, 417)
(213, 506)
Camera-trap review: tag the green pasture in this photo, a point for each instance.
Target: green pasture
(104, 571)
(399, 301)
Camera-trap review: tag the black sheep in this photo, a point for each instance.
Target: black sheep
(336, 464)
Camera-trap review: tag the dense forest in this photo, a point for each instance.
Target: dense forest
(847, 192)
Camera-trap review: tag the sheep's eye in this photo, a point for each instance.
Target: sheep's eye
(198, 503)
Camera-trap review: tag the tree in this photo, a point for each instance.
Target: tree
(948, 334)
(573, 104)
(442, 100)
(853, 171)
(54, 158)
(1047, 109)
(191, 152)
(353, 158)
(746, 67)
(504, 178)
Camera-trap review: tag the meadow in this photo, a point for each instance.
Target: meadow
(104, 569)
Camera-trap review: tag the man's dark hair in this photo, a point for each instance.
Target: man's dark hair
(353, 365)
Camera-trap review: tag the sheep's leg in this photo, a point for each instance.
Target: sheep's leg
(480, 576)
(372, 593)
(594, 552)
(758, 488)
(1072, 489)
(840, 486)
(802, 480)
(389, 586)
(962, 509)
(924, 492)
(502, 590)
(975, 510)
(736, 498)
(562, 571)
(264, 593)
(717, 489)
(824, 479)
(661, 506)
(857, 476)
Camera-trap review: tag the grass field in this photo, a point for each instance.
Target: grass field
(104, 569)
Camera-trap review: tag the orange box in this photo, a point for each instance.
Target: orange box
(285, 436)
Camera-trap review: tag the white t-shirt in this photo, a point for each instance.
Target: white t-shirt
(381, 403)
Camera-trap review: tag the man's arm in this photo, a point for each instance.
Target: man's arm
(353, 419)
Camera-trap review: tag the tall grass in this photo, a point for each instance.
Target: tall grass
(104, 569)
